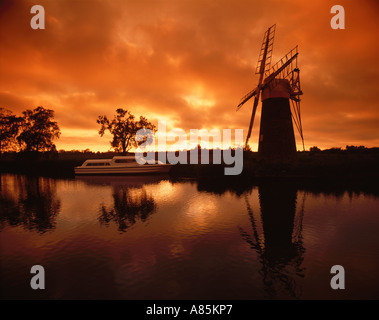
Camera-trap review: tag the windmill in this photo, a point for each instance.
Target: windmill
(277, 86)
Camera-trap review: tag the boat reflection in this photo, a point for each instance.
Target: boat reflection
(30, 202)
(127, 181)
(278, 241)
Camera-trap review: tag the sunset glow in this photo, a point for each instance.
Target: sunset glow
(188, 63)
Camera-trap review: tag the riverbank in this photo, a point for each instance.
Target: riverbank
(336, 166)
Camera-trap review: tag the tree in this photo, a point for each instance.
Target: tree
(9, 129)
(123, 128)
(355, 149)
(314, 149)
(38, 130)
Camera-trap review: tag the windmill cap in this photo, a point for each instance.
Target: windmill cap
(277, 88)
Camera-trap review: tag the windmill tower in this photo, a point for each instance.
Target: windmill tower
(279, 89)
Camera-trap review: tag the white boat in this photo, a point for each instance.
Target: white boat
(126, 165)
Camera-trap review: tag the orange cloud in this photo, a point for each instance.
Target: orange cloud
(188, 62)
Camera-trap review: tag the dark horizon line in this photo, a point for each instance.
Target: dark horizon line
(311, 149)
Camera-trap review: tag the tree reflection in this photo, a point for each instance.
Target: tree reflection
(30, 202)
(280, 247)
(129, 206)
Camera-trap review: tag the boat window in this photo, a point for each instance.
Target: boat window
(93, 164)
(124, 161)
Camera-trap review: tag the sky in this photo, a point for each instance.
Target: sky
(189, 62)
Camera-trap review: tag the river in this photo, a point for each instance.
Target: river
(154, 238)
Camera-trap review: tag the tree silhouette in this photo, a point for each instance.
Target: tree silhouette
(38, 130)
(314, 149)
(9, 128)
(128, 208)
(30, 202)
(123, 128)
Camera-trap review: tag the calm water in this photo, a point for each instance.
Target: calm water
(151, 238)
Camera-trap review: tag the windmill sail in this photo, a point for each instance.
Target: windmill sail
(264, 59)
(264, 62)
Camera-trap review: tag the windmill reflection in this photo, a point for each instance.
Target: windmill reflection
(30, 202)
(129, 206)
(280, 244)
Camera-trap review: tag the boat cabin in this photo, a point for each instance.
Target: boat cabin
(114, 162)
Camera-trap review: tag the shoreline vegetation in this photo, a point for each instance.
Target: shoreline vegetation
(352, 163)
(28, 141)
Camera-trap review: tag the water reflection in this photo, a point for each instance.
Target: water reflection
(131, 203)
(280, 247)
(186, 240)
(30, 202)
(233, 185)
(128, 207)
(128, 181)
